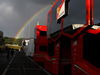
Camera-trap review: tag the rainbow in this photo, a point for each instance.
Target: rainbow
(30, 20)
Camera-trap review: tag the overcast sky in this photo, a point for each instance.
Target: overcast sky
(15, 13)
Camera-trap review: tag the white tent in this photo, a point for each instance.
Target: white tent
(30, 50)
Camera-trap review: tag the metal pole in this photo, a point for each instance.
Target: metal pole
(89, 12)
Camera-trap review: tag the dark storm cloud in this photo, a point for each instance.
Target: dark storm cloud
(97, 11)
(77, 11)
(43, 2)
(15, 13)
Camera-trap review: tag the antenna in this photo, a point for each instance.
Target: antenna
(37, 22)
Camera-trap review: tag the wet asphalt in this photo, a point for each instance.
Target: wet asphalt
(19, 64)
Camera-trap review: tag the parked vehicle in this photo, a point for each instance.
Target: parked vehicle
(72, 45)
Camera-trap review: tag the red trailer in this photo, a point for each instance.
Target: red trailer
(72, 47)
(85, 54)
(41, 44)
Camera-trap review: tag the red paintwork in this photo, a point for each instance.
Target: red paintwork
(38, 48)
(92, 31)
(40, 41)
(76, 50)
(89, 11)
(71, 51)
(50, 21)
(62, 0)
(86, 68)
(52, 63)
(77, 57)
(50, 66)
(41, 27)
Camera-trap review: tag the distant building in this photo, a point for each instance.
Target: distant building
(1, 38)
(1, 41)
(1, 34)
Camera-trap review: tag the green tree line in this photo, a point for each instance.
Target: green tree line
(10, 40)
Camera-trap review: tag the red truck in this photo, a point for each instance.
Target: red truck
(40, 43)
(73, 38)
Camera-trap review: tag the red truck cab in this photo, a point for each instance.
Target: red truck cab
(41, 43)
